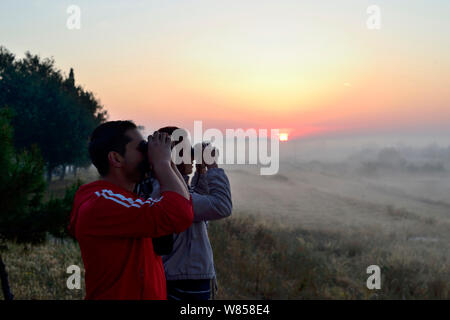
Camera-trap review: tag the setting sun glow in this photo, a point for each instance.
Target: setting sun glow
(284, 137)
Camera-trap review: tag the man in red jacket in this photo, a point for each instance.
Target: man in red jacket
(114, 227)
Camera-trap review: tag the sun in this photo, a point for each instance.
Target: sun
(284, 137)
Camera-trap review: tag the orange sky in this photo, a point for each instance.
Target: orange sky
(307, 68)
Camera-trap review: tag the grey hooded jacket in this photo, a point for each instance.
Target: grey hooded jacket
(192, 256)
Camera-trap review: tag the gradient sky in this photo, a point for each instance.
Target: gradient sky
(310, 68)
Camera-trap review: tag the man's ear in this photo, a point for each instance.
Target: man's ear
(115, 159)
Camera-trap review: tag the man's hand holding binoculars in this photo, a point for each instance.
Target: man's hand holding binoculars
(159, 158)
(202, 165)
(158, 149)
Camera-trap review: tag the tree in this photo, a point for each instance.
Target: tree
(21, 188)
(48, 109)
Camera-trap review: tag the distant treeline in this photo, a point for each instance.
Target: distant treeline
(429, 159)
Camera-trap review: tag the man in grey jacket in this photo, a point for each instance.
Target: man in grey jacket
(189, 268)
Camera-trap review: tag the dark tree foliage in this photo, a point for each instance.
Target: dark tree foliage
(24, 217)
(22, 187)
(48, 109)
(57, 212)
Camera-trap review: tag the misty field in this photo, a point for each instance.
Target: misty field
(309, 232)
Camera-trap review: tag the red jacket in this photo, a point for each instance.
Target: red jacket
(114, 229)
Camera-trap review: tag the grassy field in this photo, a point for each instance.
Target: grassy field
(254, 261)
(258, 256)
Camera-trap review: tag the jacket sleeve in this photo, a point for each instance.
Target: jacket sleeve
(199, 183)
(217, 204)
(115, 214)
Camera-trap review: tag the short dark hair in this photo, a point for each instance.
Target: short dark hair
(169, 130)
(109, 136)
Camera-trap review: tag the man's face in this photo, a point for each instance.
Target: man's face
(134, 164)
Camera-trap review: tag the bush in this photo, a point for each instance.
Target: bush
(57, 212)
(24, 217)
(21, 188)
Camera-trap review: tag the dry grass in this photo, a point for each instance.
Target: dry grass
(320, 251)
(254, 261)
(39, 272)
